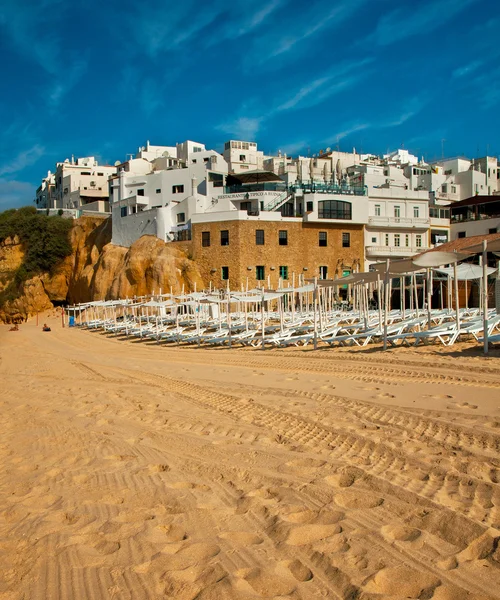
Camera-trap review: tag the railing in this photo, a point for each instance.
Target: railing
(268, 186)
(328, 188)
(305, 186)
(397, 221)
(472, 217)
(277, 202)
(397, 250)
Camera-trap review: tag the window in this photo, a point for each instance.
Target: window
(374, 240)
(397, 240)
(444, 188)
(194, 161)
(493, 230)
(181, 217)
(245, 206)
(242, 158)
(461, 234)
(158, 191)
(397, 211)
(205, 160)
(407, 240)
(259, 237)
(416, 212)
(386, 239)
(323, 272)
(224, 273)
(418, 241)
(453, 189)
(283, 238)
(123, 211)
(377, 210)
(284, 273)
(100, 174)
(177, 189)
(260, 273)
(346, 240)
(140, 192)
(335, 209)
(323, 240)
(243, 166)
(224, 237)
(205, 239)
(309, 206)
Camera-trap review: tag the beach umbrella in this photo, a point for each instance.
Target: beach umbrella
(325, 171)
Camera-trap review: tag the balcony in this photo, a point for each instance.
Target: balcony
(314, 187)
(416, 222)
(393, 251)
(265, 186)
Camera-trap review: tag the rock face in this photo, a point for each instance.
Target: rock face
(97, 270)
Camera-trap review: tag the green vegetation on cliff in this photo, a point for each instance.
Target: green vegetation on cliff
(45, 242)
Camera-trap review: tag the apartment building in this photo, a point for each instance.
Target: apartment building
(81, 184)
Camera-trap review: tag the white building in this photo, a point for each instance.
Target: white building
(243, 156)
(160, 200)
(82, 184)
(45, 192)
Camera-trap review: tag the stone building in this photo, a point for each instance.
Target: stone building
(254, 251)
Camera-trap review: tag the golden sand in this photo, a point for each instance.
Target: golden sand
(132, 471)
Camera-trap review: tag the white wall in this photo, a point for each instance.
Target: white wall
(471, 228)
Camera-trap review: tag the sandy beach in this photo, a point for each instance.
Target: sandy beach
(132, 471)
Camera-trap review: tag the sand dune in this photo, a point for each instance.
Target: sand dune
(132, 471)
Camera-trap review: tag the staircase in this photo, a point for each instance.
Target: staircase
(278, 201)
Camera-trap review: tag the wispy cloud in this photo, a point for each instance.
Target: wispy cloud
(172, 26)
(245, 128)
(424, 18)
(14, 194)
(276, 45)
(412, 107)
(72, 76)
(29, 26)
(467, 69)
(22, 160)
(254, 113)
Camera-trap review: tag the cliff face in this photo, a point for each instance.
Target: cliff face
(96, 270)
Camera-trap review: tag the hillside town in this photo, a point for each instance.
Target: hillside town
(244, 215)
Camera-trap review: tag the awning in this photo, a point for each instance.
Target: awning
(466, 271)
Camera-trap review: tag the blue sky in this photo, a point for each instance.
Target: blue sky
(100, 78)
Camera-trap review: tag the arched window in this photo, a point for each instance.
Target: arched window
(335, 209)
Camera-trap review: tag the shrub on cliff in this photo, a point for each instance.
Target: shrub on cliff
(45, 241)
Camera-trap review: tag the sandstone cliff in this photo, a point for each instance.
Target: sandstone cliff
(96, 270)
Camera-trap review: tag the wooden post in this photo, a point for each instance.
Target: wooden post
(485, 297)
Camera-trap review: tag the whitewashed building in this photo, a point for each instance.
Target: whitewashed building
(82, 184)
(161, 199)
(243, 156)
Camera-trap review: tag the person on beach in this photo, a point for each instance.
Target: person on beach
(45, 327)
(15, 328)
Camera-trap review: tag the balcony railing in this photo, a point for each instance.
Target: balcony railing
(314, 187)
(393, 250)
(308, 187)
(268, 186)
(398, 221)
(472, 217)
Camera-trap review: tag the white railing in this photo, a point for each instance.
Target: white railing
(399, 221)
(394, 250)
